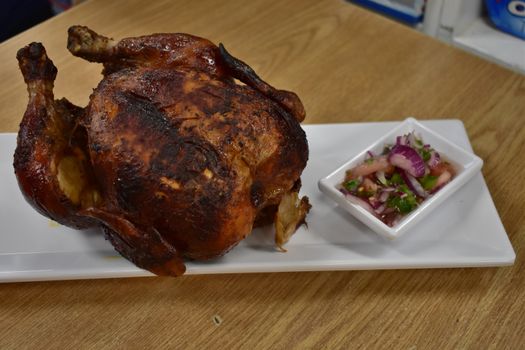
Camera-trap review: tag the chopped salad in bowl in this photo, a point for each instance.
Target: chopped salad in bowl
(400, 178)
(394, 183)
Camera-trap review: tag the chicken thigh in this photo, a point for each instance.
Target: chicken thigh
(180, 152)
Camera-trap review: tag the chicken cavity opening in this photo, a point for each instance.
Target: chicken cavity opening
(74, 182)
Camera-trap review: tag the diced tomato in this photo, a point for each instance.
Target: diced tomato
(443, 179)
(370, 186)
(442, 167)
(371, 166)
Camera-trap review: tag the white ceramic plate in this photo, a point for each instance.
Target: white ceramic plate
(465, 231)
(465, 163)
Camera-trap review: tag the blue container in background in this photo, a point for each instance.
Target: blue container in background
(508, 15)
(407, 11)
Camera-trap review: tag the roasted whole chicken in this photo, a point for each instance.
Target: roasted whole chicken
(181, 151)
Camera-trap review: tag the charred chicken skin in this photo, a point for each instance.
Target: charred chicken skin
(172, 157)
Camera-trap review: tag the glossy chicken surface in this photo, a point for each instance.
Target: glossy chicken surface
(172, 157)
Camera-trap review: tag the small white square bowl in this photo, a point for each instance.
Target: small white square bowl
(465, 163)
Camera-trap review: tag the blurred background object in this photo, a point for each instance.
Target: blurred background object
(492, 29)
(19, 15)
(406, 11)
(508, 15)
(60, 5)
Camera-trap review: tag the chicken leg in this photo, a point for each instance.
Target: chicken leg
(50, 162)
(54, 171)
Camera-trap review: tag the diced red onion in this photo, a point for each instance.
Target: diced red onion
(434, 159)
(402, 140)
(414, 185)
(389, 210)
(379, 210)
(374, 203)
(395, 221)
(363, 203)
(384, 196)
(408, 159)
(411, 138)
(380, 175)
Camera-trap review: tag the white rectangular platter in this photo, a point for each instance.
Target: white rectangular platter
(465, 231)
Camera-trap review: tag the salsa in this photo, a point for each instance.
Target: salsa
(392, 184)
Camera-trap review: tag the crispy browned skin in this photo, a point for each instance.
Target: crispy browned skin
(49, 145)
(178, 160)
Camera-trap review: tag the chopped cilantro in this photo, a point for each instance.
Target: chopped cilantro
(404, 188)
(428, 181)
(351, 185)
(396, 179)
(403, 205)
(425, 154)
